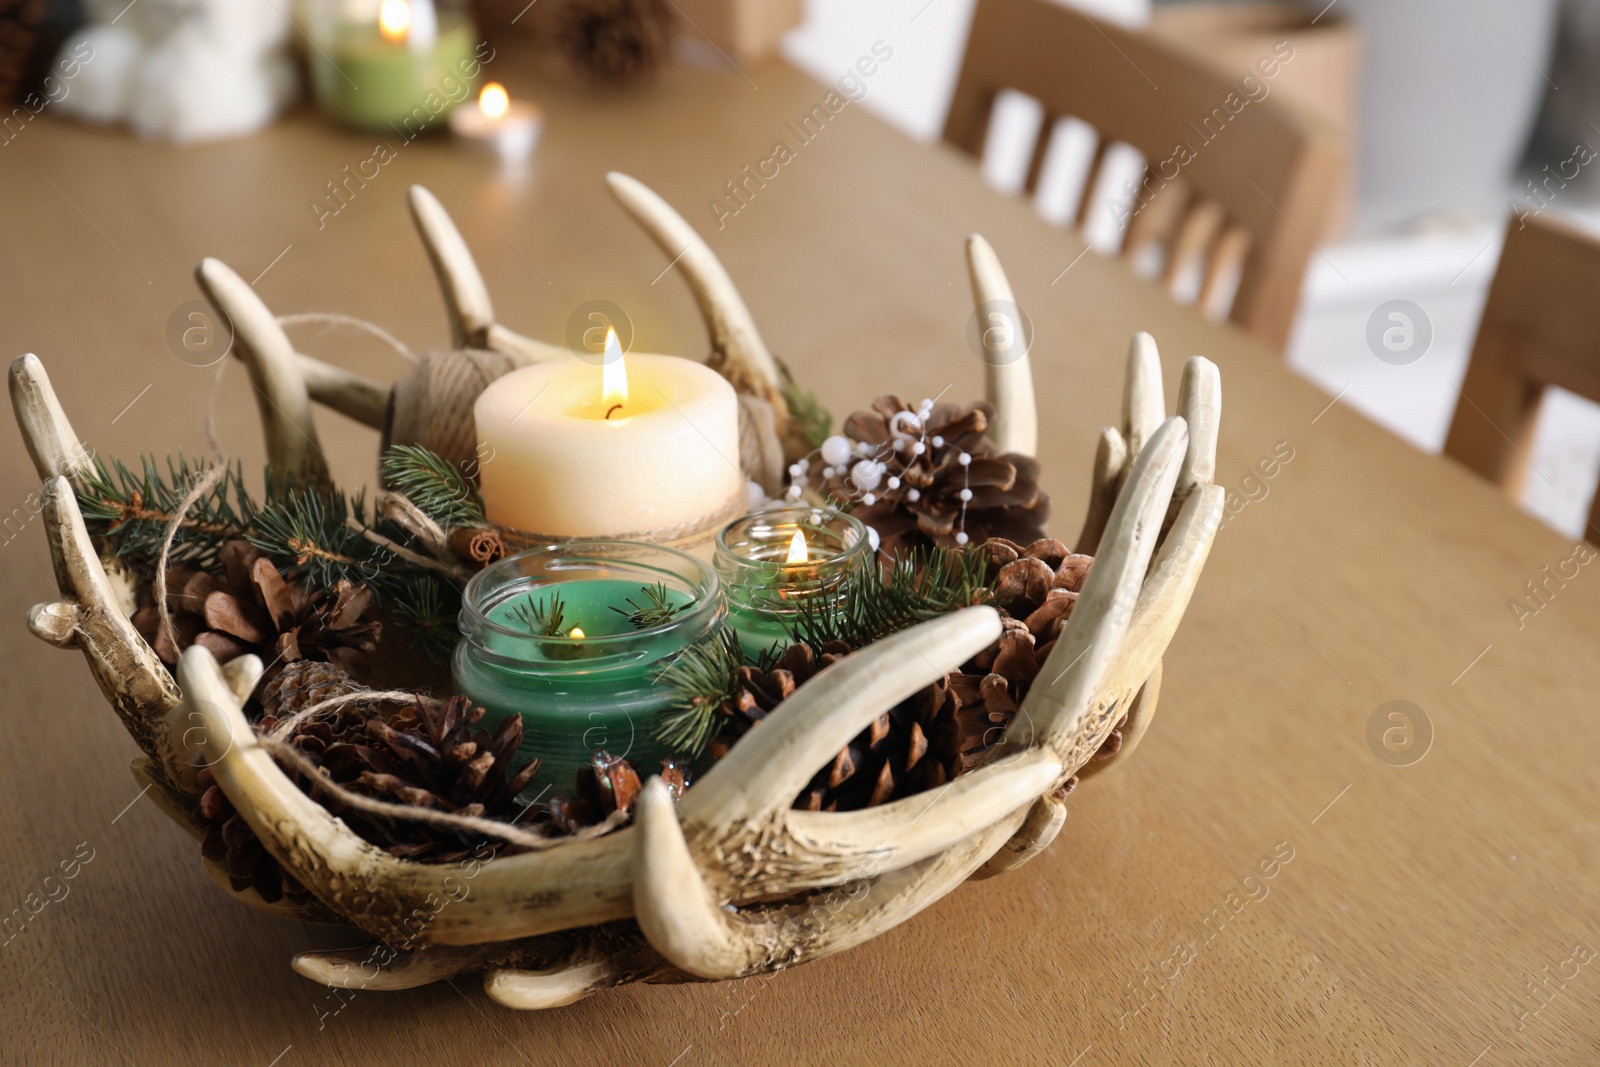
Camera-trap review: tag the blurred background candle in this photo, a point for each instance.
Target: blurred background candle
(776, 564)
(401, 64)
(647, 449)
(589, 680)
(509, 128)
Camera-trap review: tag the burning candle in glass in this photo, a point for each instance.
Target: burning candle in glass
(573, 638)
(778, 566)
(397, 65)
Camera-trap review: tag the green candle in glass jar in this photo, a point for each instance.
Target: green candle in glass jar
(775, 565)
(400, 64)
(573, 638)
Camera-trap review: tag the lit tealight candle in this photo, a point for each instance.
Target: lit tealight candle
(779, 567)
(646, 449)
(510, 129)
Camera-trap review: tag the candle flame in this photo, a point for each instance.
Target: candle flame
(494, 101)
(614, 376)
(797, 549)
(394, 20)
(577, 631)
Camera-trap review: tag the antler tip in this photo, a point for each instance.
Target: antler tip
(25, 363)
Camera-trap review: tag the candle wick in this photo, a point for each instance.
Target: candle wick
(611, 409)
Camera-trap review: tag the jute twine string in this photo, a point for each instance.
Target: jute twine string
(676, 535)
(202, 485)
(328, 318)
(364, 696)
(505, 831)
(433, 406)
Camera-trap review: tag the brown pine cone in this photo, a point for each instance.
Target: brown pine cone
(432, 759)
(608, 784)
(223, 615)
(306, 683)
(230, 842)
(909, 469)
(611, 42)
(252, 608)
(946, 729)
(760, 691)
(423, 757)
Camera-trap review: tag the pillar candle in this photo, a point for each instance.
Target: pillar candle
(571, 449)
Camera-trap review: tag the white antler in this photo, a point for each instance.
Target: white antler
(88, 617)
(466, 297)
(686, 921)
(742, 805)
(281, 396)
(1008, 369)
(737, 350)
(51, 442)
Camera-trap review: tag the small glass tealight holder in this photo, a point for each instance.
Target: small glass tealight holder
(574, 638)
(777, 566)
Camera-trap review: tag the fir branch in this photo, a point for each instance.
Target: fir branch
(427, 609)
(658, 612)
(919, 585)
(131, 511)
(310, 530)
(815, 420)
(542, 620)
(434, 485)
(701, 678)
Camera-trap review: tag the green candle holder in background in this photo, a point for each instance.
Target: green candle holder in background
(637, 606)
(766, 592)
(393, 64)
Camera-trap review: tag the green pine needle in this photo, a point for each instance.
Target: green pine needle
(316, 533)
(700, 679)
(805, 408)
(427, 609)
(434, 485)
(919, 585)
(658, 612)
(541, 619)
(130, 511)
(319, 531)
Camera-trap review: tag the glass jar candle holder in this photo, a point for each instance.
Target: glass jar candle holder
(400, 65)
(777, 565)
(573, 638)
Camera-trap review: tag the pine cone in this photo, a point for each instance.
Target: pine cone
(947, 728)
(760, 691)
(612, 42)
(229, 840)
(422, 757)
(252, 608)
(431, 759)
(608, 784)
(929, 475)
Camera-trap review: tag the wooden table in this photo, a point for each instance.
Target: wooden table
(1419, 903)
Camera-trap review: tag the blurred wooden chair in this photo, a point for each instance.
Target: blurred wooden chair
(1229, 224)
(1540, 327)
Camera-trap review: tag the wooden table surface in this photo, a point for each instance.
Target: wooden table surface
(1433, 913)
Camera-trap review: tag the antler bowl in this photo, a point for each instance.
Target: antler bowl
(730, 881)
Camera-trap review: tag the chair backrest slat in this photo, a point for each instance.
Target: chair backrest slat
(1540, 327)
(1270, 167)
